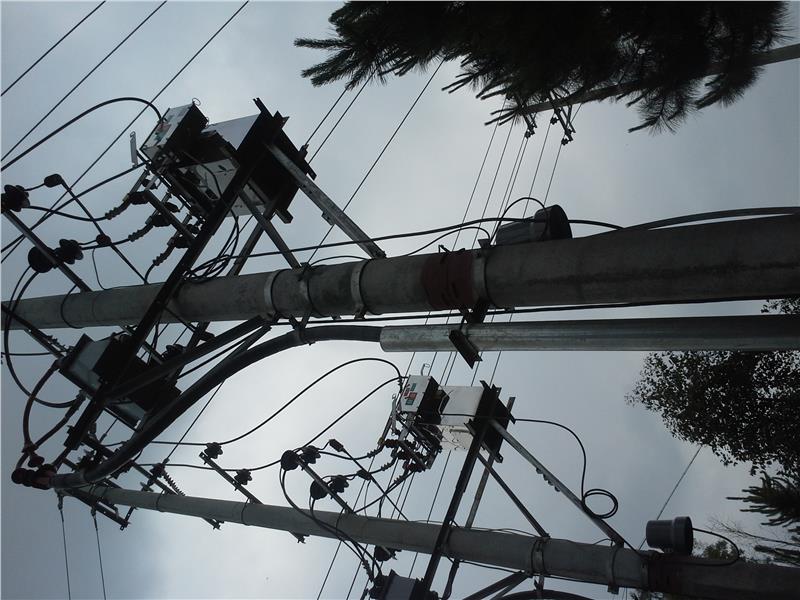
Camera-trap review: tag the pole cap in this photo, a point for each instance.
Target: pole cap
(675, 536)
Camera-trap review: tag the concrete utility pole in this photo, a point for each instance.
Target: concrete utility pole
(534, 555)
(766, 58)
(744, 259)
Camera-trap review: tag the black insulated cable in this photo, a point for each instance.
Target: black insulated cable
(51, 48)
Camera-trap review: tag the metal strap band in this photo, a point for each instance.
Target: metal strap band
(355, 289)
(304, 280)
(270, 311)
(481, 290)
(537, 557)
(613, 587)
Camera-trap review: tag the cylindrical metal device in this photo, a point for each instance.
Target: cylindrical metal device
(675, 536)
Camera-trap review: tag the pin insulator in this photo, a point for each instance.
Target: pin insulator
(317, 491)
(242, 476)
(289, 460)
(213, 450)
(14, 198)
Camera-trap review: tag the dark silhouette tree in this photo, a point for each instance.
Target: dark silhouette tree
(531, 52)
(778, 497)
(743, 405)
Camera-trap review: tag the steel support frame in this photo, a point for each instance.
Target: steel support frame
(478, 431)
(330, 210)
(557, 484)
(334, 496)
(513, 497)
(503, 586)
(263, 220)
(165, 293)
(166, 368)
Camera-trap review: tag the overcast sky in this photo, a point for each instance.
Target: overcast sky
(746, 155)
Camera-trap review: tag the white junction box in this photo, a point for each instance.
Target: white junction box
(446, 408)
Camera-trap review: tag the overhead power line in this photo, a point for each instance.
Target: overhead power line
(84, 78)
(51, 48)
(152, 100)
(383, 150)
(675, 488)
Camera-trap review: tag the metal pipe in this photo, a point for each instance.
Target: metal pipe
(754, 333)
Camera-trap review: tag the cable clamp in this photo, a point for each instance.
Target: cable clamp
(355, 289)
(537, 557)
(613, 588)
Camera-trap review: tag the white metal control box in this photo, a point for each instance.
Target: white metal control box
(447, 408)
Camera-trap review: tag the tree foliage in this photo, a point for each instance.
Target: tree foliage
(777, 497)
(743, 405)
(530, 52)
(717, 551)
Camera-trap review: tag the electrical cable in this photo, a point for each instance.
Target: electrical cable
(172, 410)
(28, 447)
(475, 372)
(197, 417)
(356, 548)
(326, 258)
(544, 594)
(75, 119)
(304, 390)
(339, 545)
(339, 418)
(339, 120)
(494, 179)
(674, 489)
(12, 245)
(512, 181)
(99, 553)
(51, 48)
(585, 494)
(444, 235)
(77, 85)
(64, 535)
(233, 345)
(393, 236)
(539, 162)
(52, 212)
(433, 502)
(381, 153)
(730, 541)
(156, 96)
(99, 229)
(330, 110)
(289, 403)
(13, 302)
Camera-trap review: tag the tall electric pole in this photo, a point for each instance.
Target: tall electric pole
(532, 555)
(743, 259)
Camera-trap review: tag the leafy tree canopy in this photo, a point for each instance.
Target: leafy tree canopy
(743, 405)
(530, 52)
